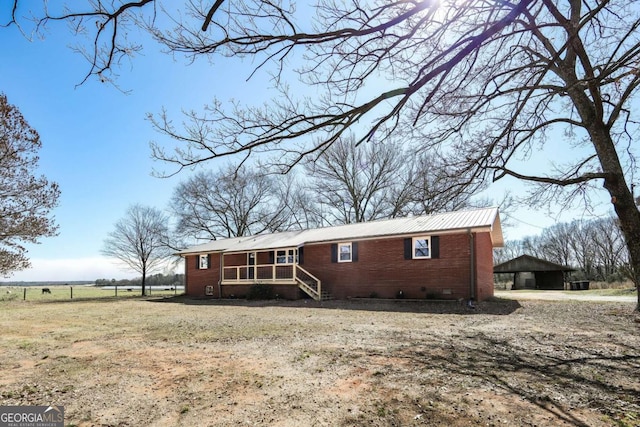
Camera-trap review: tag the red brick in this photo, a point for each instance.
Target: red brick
(380, 271)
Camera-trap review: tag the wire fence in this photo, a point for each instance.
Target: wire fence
(63, 292)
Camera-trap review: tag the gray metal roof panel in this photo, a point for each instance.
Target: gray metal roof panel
(487, 218)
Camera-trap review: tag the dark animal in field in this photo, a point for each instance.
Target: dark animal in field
(46, 291)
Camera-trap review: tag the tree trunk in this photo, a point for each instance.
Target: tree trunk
(621, 198)
(630, 224)
(144, 280)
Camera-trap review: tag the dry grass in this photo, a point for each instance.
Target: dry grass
(133, 362)
(612, 285)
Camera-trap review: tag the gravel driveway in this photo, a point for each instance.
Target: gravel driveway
(563, 296)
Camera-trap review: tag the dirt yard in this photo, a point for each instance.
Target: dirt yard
(182, 362)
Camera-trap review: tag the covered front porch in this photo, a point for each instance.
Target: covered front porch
(276, 267)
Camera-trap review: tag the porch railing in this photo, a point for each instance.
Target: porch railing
(259, 273)
(309, 283)
(274, 273)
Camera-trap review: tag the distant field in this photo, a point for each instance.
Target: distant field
(59, 292)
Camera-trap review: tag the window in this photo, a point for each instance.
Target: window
(421, 247)
(285, 256)
(344, 252)
(203, 263)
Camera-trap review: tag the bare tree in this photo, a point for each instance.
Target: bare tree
(139, 240)
(356, 184)
(235, 201)
(582, 246)
(25, 199)
(302, 206)
(511, 249)
(432, 185)
(486, 81)
(595, 247)
(532, 245)
(556, 243)
(610, 248)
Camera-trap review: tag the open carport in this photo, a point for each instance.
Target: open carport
(534, 273)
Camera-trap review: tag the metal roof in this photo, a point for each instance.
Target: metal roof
(528, 263)
(485, 219)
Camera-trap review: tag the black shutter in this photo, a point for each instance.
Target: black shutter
(435, 246)
(301, 255)
(334, 252)
(408, 248)
(354, 251)
(197, 262)
(272, 257)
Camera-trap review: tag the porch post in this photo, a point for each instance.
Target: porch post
(221, 275)
(254, 267)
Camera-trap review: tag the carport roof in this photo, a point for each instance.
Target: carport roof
(528, 263)
(486, 219)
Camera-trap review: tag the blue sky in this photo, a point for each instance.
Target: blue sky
(96, 140)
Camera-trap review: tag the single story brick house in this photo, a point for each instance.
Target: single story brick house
(441, 256)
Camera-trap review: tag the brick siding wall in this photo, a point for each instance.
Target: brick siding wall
(197, 279)
(382, 271)
(290, 292)
(484, 266)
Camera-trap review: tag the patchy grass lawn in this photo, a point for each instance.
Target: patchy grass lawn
(183, 362)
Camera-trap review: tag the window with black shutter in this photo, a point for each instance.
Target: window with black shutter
(344, 252)
(435, 246)
(422, 247)
(408, 247)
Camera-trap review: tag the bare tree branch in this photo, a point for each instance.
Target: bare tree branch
(487, 83)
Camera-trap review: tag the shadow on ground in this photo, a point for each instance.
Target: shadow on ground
(493, 307)
(556, 374)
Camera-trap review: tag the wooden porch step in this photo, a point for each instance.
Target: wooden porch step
(326, 296)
